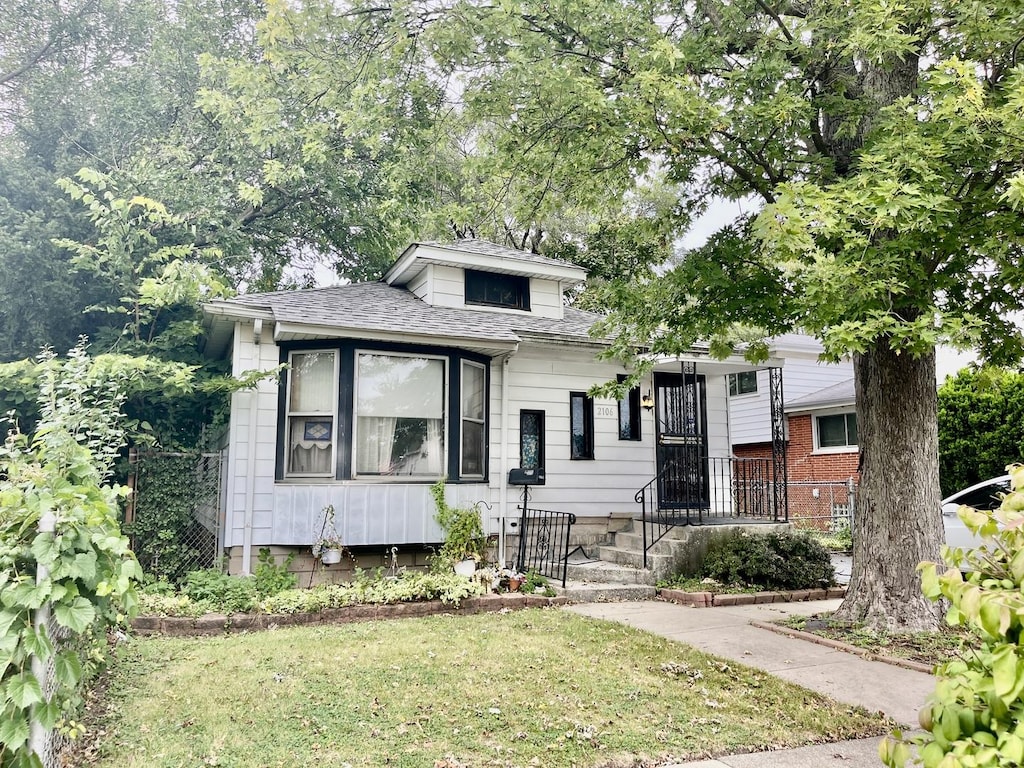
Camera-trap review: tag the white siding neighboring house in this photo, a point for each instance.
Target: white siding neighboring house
(802, 374)
(462, 362)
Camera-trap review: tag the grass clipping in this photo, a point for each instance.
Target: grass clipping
(526, 688)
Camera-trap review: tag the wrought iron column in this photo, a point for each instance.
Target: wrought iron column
(780, 490)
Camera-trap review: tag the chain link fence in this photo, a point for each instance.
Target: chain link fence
(822, 507)
(174, 518)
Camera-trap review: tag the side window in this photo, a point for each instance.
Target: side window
(312, 401)
(742, 383)
(837, 431)
(491, 289)
(474, 423)
(531, 439)
(629, 414)
(581, 426)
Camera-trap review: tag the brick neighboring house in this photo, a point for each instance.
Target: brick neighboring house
(822, 457)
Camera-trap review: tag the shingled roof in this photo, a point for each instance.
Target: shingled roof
(486, 248)
(839, 394)
(380, 308)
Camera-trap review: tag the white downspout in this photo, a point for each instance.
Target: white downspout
(503, 463)
(250, 462)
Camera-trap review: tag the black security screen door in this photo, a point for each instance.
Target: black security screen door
(681, 410)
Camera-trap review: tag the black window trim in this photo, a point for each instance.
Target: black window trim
(480, 277)
(631, 402)
(346, 349)
(587, 453)
(541, 437)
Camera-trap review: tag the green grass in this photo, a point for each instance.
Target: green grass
(534, 687)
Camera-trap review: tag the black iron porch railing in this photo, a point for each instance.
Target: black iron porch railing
(544, 542)
(698, 490)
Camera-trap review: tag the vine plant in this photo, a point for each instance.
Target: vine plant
(975, 717)
(60, 546)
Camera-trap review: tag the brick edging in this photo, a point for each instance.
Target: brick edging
(839, 645)
(712, 600)
(219, 623)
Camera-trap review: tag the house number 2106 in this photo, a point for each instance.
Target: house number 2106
(605, 411)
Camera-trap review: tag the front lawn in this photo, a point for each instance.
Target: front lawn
(538, 687)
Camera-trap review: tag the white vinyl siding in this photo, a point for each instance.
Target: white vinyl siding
(546, 298)
(750, 415)
(446, 287)
(540, 378)
(421, 285)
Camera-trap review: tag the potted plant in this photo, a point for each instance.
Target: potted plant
(464, 539)
(510, 579)
(329, 548)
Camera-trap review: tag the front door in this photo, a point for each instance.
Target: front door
(681, 419)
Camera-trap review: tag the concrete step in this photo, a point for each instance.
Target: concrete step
(657, 561)
(605, 572)
(586, 592)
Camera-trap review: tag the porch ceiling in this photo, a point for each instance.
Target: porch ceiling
(709, 365)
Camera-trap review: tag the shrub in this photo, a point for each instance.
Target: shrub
(220, 592)
(463, 530)
(271, 578)
(774, 561)
(60, 546)
(976, 715)
(981, 425)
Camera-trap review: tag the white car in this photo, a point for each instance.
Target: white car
(985, 495)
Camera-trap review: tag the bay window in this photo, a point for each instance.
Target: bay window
(399, 415)
(312, 402)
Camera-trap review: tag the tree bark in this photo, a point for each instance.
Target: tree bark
(898, 522)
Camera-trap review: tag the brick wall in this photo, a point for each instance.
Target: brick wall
(817, 492)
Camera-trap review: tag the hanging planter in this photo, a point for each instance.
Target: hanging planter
(330, 556)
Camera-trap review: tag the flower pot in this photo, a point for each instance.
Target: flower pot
(330, 556)
(466, 568)
(513, 585)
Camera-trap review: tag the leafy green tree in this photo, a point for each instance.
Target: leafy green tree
(981, 425)
(883, 140)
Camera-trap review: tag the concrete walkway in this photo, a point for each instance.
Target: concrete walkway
(726, 632)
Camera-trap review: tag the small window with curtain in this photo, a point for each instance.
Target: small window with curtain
(312, 399)
(629, 413)
(581, 426)
(837, 432)
(531, 439)
(474, 431)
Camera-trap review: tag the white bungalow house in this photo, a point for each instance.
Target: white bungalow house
(462, 362)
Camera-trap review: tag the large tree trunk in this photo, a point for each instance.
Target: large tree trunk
(898, 522)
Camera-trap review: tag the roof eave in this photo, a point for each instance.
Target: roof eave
(310, 331)
(404, 270)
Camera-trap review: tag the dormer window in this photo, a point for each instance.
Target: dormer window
(491, 289)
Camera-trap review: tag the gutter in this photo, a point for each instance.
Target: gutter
(503, 458)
